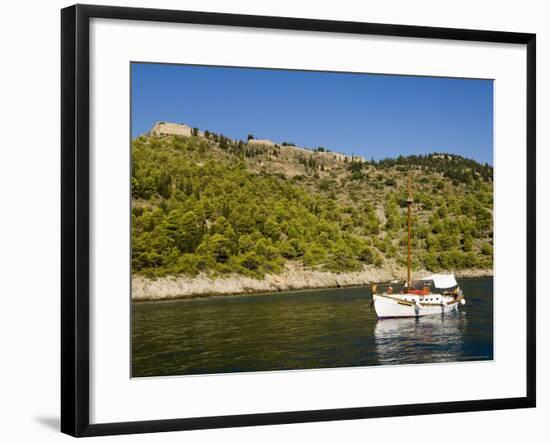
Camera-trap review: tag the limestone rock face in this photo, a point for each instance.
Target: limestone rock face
(163, 128)
(294, 277)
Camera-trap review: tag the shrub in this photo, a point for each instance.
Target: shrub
(487, 249)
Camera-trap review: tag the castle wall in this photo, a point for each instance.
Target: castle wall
(162, 128)
(255, 142)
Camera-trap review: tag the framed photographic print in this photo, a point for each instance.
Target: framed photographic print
(275, 220)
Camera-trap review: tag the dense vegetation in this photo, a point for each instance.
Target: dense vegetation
(212, 204)
(458, 169)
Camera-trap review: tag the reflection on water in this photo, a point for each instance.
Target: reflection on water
(438, 338)
(311, 329)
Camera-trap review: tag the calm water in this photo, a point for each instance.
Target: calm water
(300, 330)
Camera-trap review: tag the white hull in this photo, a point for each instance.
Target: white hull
(397, 306)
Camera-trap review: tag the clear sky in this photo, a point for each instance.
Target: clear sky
(370, 115)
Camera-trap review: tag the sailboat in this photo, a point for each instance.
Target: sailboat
(435, 294)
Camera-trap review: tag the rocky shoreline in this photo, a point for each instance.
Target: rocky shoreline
(293, 278)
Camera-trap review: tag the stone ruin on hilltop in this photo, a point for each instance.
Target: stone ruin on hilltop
(163, 128)
(255, 142)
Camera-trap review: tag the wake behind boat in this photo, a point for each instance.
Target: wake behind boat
(435, 294)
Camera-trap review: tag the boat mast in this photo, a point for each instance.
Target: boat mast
(409, 206)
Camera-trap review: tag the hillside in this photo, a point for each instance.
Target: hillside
(209, 205)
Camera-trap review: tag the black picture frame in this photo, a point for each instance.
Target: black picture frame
(75, 225)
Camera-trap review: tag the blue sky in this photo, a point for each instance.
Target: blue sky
(370, 115)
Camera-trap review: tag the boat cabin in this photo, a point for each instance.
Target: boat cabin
(437, 284)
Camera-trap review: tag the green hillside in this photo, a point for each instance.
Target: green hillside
(215, 205)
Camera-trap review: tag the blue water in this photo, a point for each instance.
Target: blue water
(302, 330)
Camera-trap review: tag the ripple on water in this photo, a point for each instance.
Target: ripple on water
(313, 329)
